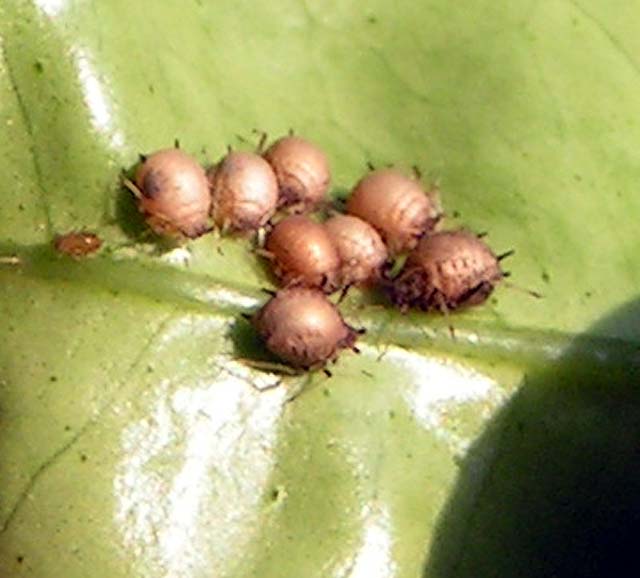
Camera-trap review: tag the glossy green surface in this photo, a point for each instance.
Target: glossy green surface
(134, 441)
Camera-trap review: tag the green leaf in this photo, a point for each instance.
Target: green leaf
(134, 438)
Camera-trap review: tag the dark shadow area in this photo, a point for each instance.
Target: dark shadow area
(246, 341)
(127, 216)
(249, 348)
(552, 487)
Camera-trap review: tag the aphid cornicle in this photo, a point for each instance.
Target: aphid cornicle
(77, 244)
(244, 191)
(303, 328)
(174, 194)
(362, 252)
(302, 253)
(447, 270)
(396, 206)
(302, 170)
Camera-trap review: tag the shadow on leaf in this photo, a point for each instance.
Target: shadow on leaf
(552, 487)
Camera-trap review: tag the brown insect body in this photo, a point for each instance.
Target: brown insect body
(303, 254)
(362, 252)
(302, 170)
(77, 244)
(447, 270)
(245, 192)
(303, 328)
(396, 206)
(175, 195)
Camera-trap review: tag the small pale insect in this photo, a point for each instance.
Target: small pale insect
(173, 193)
(302, 170)
(302, 253)
(362, 252)
(447, 270)
(77, 244)
(396, 206)
(303, 328)
(244, 191)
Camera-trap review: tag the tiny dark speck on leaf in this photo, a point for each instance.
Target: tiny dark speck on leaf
(152, 90)
(588, 294)
(83, 457)
(545, 277)
(392, 414)
(19, 559)
(38, 66)
(577, 177)
(67, 428)
(326, 392)
(53, 378)
(409, 455)
(455, 214)
(372, 19)
(20, 207)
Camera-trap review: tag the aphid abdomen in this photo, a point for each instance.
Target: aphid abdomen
(362, 252)
(302, 327)
(244, 191)
(447, 270)
(77, 244)
(396, 205)
(174, 193)
(304, 254)
(302, 171)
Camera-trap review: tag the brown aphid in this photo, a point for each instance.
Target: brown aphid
(362, 252)
(447, 270)
(303, 328)
(173, 193)
(77, 244)
(397, 206)
(244, 190)
(302, 170)
(303, 254)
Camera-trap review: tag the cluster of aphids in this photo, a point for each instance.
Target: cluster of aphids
(389, 214)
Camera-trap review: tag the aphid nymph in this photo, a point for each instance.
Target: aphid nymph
(244, 191)
(396, 206)
(303, 328)
(446, 271)
(302, 170)
(173, 193)
(77, 243)
(303, 253)
(362, 252)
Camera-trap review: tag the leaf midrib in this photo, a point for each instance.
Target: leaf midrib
(459, 335)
